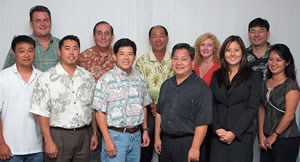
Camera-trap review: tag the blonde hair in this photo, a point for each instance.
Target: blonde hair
(200, 39)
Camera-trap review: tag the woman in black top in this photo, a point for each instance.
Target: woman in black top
(278, 131)
(236, 94)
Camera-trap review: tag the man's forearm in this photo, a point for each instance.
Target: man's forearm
(45, 128)
(145, 118)
(102, 123)
(199, 136)
(157, 126)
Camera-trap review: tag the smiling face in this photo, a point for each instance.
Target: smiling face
(125, 58)
(103, 36)
(40, 24)
(69, 53)
(233, 54)
(24, 54)
(158, 39)
(258, 36)
(182, 64)
(276, 64)
(207, 48)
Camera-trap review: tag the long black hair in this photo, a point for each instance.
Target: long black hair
(222, 75)
(284, 52)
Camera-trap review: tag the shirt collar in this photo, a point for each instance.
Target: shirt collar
(35, 39)
(123, 73)
(32, 77)
(166, 58)
(61, 70)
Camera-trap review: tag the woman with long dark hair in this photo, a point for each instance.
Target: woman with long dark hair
(236, 92)
(279, 137)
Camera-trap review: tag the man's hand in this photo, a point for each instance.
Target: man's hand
(5, 152)
(157, 145)
(153, 109)
(146, 139)
(110, 148)
(194, 155)
(51, 149)
(94, 142)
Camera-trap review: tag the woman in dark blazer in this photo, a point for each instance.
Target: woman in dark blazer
(236, 90)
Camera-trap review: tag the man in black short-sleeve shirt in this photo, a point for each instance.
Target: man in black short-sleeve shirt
(184, 110)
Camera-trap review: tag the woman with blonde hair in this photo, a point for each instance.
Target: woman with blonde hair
(207, 56)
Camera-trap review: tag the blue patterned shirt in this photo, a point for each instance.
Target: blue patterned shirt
(122, 97)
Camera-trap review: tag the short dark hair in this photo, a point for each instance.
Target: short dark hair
(166, 31)
(39, 8)
(103, 22)
(259, 22)
(68, 37)
(186, 46)
(284, 52)
(124, 42)
(21, 39)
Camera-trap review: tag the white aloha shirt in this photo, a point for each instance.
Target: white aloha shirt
(66, 101)
(122, 97)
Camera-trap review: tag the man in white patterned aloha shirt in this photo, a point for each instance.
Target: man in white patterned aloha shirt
(120, 99)
(62, 99)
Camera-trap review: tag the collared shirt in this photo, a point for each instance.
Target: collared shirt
(259, 64)
(185, 106)
(154, 72)
(91, 60)
(66, 101)
(43, 60)
(121, 97)
(20, 128)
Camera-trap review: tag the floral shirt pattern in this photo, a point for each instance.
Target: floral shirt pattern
(259, 64)
(43, 60)
(66, 101)
(154, 72)
(91, 60)
(122, 98)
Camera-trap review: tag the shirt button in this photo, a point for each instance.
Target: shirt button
(77, 114)
(74, 102)
(73, 91)
(169, 122)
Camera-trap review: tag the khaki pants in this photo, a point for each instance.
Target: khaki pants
(73, 145)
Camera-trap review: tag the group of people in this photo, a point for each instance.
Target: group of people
(202, 103)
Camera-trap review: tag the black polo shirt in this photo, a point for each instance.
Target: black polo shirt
(185, 106)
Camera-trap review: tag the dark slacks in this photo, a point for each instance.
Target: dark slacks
(147, 152)
(175, 149)
(73, 146)
(283, 150)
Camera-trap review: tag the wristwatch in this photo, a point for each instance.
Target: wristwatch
(95, 134)
(146, 129)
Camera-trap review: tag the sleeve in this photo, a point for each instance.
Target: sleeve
(41, 99)
(204, 114)
(291, 85)
(10, 60)
(100, 96)
(139, 66)
(247, 117)
(1, 97)
(213, 86)
(146, 96)
(161, 96)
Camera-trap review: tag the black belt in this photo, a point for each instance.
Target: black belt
(71, 129)
(177, 135)
(128, 130)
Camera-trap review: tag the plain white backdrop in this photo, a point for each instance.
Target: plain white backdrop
(184, 19)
